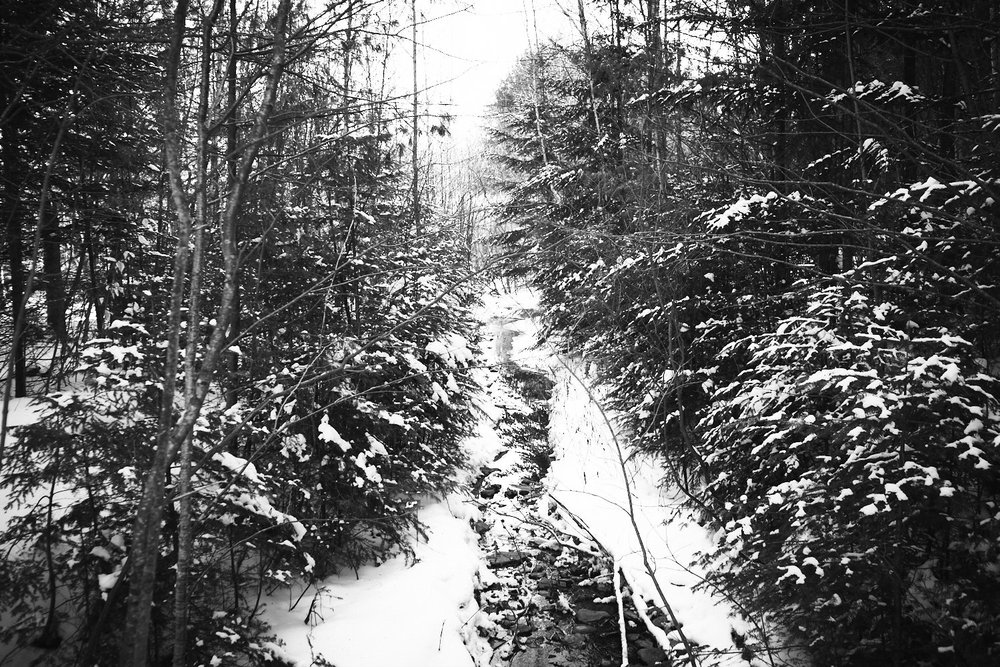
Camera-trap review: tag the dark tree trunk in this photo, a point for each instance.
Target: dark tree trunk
(55, 290)
(233, 359)
(96, 289)
(12, 213)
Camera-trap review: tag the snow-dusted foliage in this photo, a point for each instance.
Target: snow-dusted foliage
(847, 463)
(338, 399)
(785, 263)
(314, 469)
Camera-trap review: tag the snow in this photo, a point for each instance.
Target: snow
(376, 445)
(793, 571)
(414, 363)
(101, 553)
(422, 613)
(328, 433)
(739, 210)
(108, 581)
(393, 418)
(454, 349)
(589, 478)
(440, 394)
(400, 614)
(974, 426)
(238, 465)
(23, 411)
(928, 186)
(261, 505)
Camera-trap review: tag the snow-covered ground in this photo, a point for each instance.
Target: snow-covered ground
(418, 613)
(22, 411)
(424, 614)
(645, 528)
(594, 478)
(401, 614)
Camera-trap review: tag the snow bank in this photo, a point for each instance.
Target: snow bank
(23, 411)
(401, 614)
(588, 479)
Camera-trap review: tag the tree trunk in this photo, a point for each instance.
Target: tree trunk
(12, 214)
(97, 292)
(55, 291)
(589, 51)
(185, 536)
(233, 360)
(416, 166)
(995, 51)
(146, 532)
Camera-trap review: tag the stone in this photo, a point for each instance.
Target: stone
(531, 657)
(652, 656)
(539, 602)
(551, 545)
(524, 627)
(502, 559)
(500, 656)
(664, 623)
(591, 616)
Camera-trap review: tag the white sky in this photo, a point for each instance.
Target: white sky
(467, 52)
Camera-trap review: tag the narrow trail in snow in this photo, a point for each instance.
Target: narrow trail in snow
(588, 550)
(550, 594)
(536, 562)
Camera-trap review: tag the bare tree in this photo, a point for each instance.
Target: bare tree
(146, 534)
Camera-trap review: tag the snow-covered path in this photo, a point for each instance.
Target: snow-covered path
(426, 613)
(645, 528)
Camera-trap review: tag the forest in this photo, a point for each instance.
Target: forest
(242, 286)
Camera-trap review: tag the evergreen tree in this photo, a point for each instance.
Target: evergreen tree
(775, 231)
(266, 368)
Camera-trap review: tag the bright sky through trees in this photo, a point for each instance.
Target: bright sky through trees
(469, 46)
